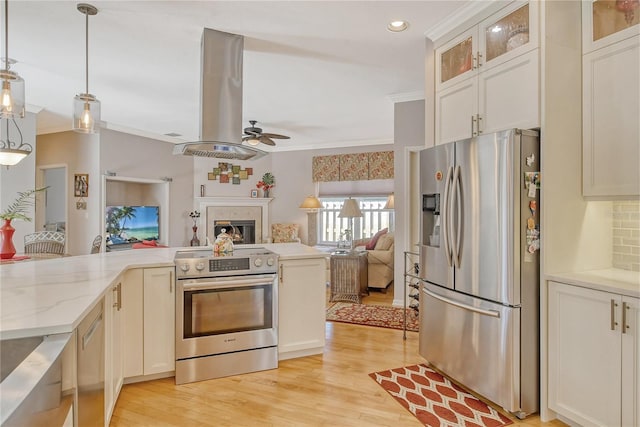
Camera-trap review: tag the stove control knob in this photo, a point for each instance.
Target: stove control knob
(270, 262)
(200, 266)
(257, 262)
(184, 267)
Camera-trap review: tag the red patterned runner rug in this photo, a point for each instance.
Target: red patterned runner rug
(372, 315)
(435, 401)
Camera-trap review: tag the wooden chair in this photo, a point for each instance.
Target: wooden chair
(44, 242)
(97, 243)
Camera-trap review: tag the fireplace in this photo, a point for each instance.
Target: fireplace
(236, 209)
(242, 231)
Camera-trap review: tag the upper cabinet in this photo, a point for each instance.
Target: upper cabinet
(487, 77)
(608, 21)
(504, 35)
(611, 99)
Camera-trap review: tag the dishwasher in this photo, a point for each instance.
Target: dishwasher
(90, 351)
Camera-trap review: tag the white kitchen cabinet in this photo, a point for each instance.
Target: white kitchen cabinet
(611, 129)
(114, 374)
(604, 23)
(594, 356)
(488, 78)
(301, 308)
(159, 320)
(132, 312)
(505, 96)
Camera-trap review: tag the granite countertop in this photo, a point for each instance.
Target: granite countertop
(614, 280)
(52, 296)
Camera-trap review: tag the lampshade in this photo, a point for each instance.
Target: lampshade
(389, 204)
(86, 107)
(350, 209)
(12, 152)
(253, 141)
(12, 95)
(311, 203)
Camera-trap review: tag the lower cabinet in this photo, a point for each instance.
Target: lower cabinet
(114, 338)
(148, 301)
(302, 307)
(159, 321)
(594, 356)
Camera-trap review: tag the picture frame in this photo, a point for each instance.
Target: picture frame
(254, 193)
(81, 185)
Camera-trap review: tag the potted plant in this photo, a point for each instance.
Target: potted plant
(267, 182)
(16, 210)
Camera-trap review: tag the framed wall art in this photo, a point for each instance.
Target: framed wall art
(81, 185)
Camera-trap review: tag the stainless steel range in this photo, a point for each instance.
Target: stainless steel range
(226, 313)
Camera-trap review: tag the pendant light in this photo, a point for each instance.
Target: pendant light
(12, 152)
(12, 95)
(86, 107)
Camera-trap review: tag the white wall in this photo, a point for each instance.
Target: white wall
(139, 157)
(294, 182)
(409, 131)
(55, 179)
(80, 153)
(20, 177)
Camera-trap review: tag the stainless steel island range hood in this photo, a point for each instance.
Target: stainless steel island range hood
(220, 101)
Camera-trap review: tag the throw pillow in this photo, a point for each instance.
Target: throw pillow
(372, 243)
(385, 242)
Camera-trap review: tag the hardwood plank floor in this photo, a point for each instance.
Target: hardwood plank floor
(332, 389)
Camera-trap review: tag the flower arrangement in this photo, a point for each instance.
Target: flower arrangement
(18, 209)
(194, 216)
(267, 182)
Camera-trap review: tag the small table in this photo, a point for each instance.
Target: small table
(349, 276)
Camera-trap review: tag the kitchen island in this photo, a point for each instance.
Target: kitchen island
(53, 296)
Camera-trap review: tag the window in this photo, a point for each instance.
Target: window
(373, 219)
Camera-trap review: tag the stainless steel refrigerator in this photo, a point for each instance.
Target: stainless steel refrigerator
(479, 265)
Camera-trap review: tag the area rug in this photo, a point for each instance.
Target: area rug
(435, 401)
(372, 315)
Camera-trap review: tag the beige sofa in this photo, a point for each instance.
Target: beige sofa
(380, 261)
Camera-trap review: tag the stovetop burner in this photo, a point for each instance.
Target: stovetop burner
(205, 263)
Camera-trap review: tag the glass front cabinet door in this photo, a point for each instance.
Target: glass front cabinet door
(504, 35)
(508, 33)
(608, 21)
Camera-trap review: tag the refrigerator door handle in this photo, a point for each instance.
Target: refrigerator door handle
(455, 198)
(445, 217)
(492, 313)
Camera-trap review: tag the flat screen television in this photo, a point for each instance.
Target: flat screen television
(131, 224)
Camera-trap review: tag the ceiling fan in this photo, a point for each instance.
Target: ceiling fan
(254, 135)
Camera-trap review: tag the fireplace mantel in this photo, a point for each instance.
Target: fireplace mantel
(233, 202)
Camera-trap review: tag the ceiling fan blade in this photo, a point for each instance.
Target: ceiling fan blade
(265, 140)
(275, 136)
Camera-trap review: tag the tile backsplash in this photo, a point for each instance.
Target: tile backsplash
(626, 235)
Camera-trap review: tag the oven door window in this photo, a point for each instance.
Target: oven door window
(225, 310)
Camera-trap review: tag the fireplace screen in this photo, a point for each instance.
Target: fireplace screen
(242, 231)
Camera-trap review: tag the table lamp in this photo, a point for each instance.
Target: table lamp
(350, 210)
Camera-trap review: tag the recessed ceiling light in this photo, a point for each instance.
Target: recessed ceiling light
(397, 26)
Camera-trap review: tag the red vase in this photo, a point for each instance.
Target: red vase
(7, 250)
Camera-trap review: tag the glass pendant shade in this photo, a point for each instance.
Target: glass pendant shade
(253, 141)
(86, 113)
(11, 157)
(12, 152)
(12, 95)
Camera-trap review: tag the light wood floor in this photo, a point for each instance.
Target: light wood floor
(332, 389)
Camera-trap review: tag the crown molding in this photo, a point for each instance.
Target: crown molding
(416, 95)
(466, 12)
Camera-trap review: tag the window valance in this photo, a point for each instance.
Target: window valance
(353, 167)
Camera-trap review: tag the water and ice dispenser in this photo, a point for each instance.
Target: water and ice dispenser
(431, 219)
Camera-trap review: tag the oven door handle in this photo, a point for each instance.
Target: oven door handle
(230, 282)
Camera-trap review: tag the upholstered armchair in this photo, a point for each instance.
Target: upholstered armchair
(380, 259)
(284, 233)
